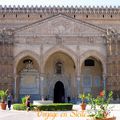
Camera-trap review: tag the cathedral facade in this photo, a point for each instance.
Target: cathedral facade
(59, 52)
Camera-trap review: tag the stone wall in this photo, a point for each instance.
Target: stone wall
(6, 60)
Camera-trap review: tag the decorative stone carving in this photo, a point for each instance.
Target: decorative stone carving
(111, 33)
(61, 25)
(58, 40)
(6, 35)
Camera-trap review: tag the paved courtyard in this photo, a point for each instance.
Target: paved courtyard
(69, 115)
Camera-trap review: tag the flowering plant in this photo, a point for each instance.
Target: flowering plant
(82, 97)
(99, 105)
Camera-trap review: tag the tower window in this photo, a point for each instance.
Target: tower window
(89, 62)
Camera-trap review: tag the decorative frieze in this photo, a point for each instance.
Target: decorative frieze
(84, 40)
(65, 40)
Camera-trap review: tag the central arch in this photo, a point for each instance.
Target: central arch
(59, 92)
(60, 67)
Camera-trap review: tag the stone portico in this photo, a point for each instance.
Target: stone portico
(53, 55)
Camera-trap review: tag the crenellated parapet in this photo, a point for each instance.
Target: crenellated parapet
(59, 9)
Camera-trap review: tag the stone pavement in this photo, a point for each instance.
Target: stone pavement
(65, 115)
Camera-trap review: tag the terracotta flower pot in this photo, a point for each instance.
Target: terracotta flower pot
(83, 106)
(3, 106)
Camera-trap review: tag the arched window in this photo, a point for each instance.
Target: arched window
(89, 62)
(58, 67)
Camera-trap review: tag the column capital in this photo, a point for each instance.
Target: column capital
(78, 78)
(104, 75)
(78, 84)
(41, 78)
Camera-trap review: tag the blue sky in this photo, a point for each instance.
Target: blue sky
(61, 2)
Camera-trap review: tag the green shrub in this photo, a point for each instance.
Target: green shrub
(19, 106)
(55, 107)
(47, 107)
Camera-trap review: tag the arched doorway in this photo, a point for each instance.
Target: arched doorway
(59, 92)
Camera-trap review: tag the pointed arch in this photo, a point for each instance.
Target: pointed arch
(24, 54)
(65, 50)
(97, 55)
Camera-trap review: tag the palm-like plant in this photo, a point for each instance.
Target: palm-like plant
(3, 95)
(82, 97)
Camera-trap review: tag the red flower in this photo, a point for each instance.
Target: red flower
(102, 93)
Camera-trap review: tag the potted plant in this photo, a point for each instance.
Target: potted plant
(3, 97)
(83, 104)
(99, 106)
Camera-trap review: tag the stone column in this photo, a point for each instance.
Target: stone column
(78, 76)
(42, 86)
(78, 85)
(117, 72)
(104, 82)
(116, 47)
(15, 87)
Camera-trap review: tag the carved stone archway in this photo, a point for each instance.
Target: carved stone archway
(67, 75)
(55, 79)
